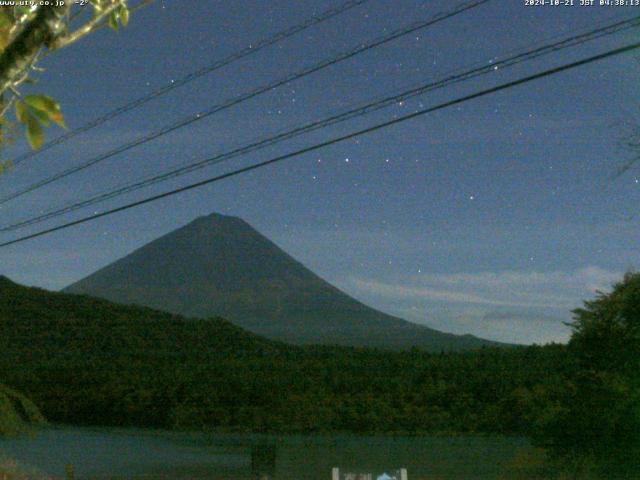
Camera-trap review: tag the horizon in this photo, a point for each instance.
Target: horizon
(494, 218)
(234, 217)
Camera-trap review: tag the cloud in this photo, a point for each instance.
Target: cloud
(509, 306)
(443, 295)
(550, 290)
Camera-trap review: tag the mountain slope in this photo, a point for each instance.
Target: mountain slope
(220, 266)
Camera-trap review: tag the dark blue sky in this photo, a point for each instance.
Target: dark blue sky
(495, 217)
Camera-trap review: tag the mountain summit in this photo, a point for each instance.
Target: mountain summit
(221, 266)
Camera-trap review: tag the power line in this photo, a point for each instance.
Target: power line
(218, 64)
(380, 126)
(347, 115)
(249, 95)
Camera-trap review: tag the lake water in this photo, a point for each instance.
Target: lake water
(140, 454)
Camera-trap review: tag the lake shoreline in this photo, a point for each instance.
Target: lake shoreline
(104, 453)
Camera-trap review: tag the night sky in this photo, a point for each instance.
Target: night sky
(495, 217)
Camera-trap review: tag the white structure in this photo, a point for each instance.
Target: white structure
(335, 475)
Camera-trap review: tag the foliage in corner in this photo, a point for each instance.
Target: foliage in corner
(36, 111)
(597, 429)
(27, 34)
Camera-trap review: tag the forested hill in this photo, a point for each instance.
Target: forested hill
(89, 361)
(221, 266)
(60, 325)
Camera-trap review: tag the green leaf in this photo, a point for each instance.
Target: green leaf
(5, 20)
(23, 10)
(22, 111)
(124, 15)
(43, 117)
(5, 28)
(112, 21)
(97, 7)
(58, 119)
(48, 106)
(42, 102)
(35, 137)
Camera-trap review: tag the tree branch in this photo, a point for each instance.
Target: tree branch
(45, 27)
(20, 23)
(86, 29)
